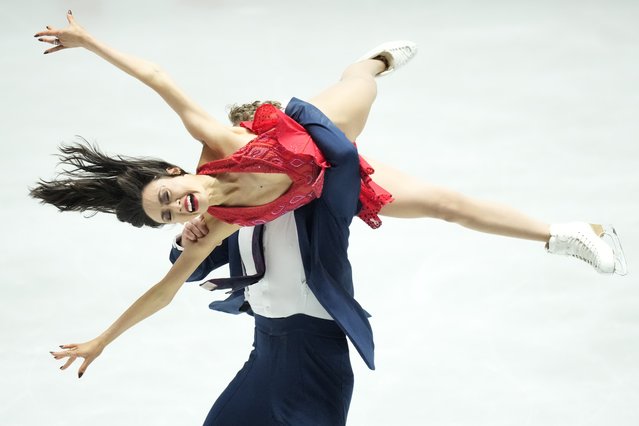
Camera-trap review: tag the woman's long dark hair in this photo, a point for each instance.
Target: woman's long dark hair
(93, 181)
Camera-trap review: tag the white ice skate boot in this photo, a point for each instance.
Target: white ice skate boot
(581, 241)
(395, 53)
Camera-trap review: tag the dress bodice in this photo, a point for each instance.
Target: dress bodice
(281, 145)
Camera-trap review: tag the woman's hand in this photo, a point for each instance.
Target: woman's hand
(89, 351)
(71, 36)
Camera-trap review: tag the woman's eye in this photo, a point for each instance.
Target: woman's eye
(166, 216)
(165, 197)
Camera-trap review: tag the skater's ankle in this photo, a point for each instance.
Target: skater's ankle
(598, 229)
(383, 59)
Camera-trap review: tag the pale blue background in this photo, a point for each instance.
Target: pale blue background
(530, 103)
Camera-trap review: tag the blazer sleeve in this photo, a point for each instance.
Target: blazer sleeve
(218, 257)
(342, 181)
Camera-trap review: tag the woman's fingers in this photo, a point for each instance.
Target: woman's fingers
(89, 351)
(54, 41)
(55, 49)
(59, 355)
(69, 346)
(52, 31)
(71, 36)
(47, 32)
(84, 366)
(50, 40)
(64, 354)
(69, 351)
(70, 361)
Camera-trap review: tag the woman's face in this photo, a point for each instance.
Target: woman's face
(175, 199)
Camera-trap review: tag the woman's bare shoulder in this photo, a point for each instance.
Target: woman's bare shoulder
(237, 138)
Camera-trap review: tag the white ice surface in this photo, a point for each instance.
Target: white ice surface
(531, 103)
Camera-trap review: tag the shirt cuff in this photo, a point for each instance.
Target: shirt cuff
(176, 244)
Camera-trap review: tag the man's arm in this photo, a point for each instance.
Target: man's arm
(342, 180)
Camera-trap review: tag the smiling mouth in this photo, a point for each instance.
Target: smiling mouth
(191, 203)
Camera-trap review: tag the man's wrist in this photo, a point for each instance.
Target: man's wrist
(177, 243)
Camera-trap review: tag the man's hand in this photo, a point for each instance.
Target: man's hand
(193, 231)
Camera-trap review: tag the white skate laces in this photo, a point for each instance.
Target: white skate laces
(579, 240)
(396, 53)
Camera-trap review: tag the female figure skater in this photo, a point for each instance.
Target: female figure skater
(309, 379)
(312, 381)
(151, 193)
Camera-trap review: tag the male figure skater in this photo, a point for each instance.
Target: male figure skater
(302, 298)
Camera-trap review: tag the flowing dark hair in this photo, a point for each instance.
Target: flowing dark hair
(94, 181)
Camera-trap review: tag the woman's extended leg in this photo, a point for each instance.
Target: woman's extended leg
(348, 102)
(415, 198)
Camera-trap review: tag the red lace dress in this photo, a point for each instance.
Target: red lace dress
(283, 146)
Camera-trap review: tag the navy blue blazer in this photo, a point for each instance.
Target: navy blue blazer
(323, 232)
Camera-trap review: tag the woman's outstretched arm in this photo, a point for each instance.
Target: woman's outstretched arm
(156, 298)
(198, 122)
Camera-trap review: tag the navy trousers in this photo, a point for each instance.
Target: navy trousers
(299, 373)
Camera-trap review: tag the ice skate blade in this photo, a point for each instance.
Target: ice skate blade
(612, 238)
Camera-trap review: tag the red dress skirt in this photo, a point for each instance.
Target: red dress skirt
(283, 146)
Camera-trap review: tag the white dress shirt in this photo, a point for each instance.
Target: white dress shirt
(282, 291)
